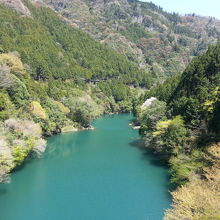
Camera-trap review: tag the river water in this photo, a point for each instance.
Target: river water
(89, 175)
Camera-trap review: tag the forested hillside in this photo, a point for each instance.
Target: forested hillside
(183, 127)
(73, 54)
(164, 43)
(54, 78)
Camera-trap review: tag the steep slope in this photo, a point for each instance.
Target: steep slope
(158, 41)
(196, 97)
(73, 54)
(185, 131)
(53, 78)
(17, 5)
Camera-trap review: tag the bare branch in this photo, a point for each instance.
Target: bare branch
(6, 79)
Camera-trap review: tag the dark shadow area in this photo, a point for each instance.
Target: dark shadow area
(139, 143)
(131, 121)
(148, 154)
(24, 164)
(155, 160)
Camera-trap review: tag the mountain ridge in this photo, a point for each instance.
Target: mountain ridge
(54, 78)
(158, 41)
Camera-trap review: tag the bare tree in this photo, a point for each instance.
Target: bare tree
(6, 78)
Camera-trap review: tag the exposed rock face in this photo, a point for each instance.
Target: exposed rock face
(17, 5)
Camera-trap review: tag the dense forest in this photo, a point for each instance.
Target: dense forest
(73, 54)
(55, 78)
(183, 127)
(161, 42)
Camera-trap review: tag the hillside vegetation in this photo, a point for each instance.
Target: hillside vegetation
(54, 78)
(164, 43)
(183, 127)
(73, 54)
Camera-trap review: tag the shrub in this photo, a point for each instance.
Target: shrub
(12, 61)
(168, 138)
(62, 107)
(149, 117)
(6, 78)
(37, 110)
(198, 199)
(6, 107)
(183, 166)
(19, 93)
(19, 154)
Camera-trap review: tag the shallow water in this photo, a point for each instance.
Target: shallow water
(89, 175)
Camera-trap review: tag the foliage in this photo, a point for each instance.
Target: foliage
(183, 166)
(19, 155)
(19, 139)
(37, 110)
(122, 95)
(149, 117)
(197, 93)
(6, 106)
(134, 32)
(199, 198)
(125, 106)
(53, 117)
(192, 115)
(163, 90)
(168, 137)
(58, 69)
(62, 107)
(144, 32)
(19, 93)
(182, 139)
(6, 79)
(70, 58)
(84, 110)
(12, 61)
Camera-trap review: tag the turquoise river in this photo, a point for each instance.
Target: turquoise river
(99, 174)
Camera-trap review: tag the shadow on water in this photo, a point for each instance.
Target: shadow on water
(28, 161)
(155, 160)
(148, 154)
(2, 191)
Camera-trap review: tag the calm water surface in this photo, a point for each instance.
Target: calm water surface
(89, 175)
